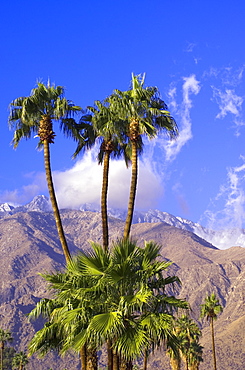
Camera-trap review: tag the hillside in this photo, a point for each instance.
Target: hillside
(29, 244)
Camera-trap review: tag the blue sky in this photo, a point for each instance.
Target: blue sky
(192, 51)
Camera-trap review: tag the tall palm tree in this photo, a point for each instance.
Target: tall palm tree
(35, 114)
(210, 309)
(101, 125)
(144, 113)
(20, 360)
(5, 336)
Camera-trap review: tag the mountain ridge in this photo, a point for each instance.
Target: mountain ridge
(30, 245)
(222, 239)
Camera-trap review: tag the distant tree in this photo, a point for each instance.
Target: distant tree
(210, 310)
(35, 114)
(187, 344)
(20, 360)
(195, 355)
(5, 336)
(8, 355)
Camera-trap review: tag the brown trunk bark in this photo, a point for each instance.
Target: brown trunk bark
(133, 187)
(145, 361)
(1, 354)
(175, 363)
(92, 360)
(54, 201)
(126, 365)
(1, 359)
(115, 361)
(213, 344)
(104, 192)
(83, 357)
(109, 355)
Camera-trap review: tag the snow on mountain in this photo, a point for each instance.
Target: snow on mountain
(222, 239)
(6, 207)
(40, 203)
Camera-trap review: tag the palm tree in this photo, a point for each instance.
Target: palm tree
(195, 355)
(144, 113)
(137, 310)
(5, 336)
(210, 309)
(20, 360)
(35, 114)
(118, 297)
(188, 334)
(101, 125)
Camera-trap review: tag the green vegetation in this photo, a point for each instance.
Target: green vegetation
(20, 361)
(115, 295)
(118, 298)
(5, 337)
(210, 310)
(35, 114)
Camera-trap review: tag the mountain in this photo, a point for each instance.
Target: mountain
(29, 245)
(222, 239)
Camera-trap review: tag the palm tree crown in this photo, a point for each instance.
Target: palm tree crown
(35, 114)
(100, 125)
(20, 360)
(5, 336)
(144, 113)
(210, 309)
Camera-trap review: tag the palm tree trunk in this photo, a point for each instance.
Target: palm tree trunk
(92, 359)
(145, 360)
(126, 365)
(54, 201)
(213, 344)
(83, 357)
(1, 354)
(109, 355)
(104, 192)
(133, 187)
(115, 361)
(175, 363)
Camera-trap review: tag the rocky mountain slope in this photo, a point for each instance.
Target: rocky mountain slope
(222, 239)
(29, 245)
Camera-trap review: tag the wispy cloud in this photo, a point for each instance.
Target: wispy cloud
(190, 47)
(229, 102)
(190, 86)
(225, 84)
(232, 196)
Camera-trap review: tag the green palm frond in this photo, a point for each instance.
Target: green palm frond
(211, 308)
(49, 337)
(26, 113)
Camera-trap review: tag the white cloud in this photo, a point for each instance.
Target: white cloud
(190, 86)
(232, 197)
(82, 184)
(228, 102)
(190, 47)
(26, 193)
